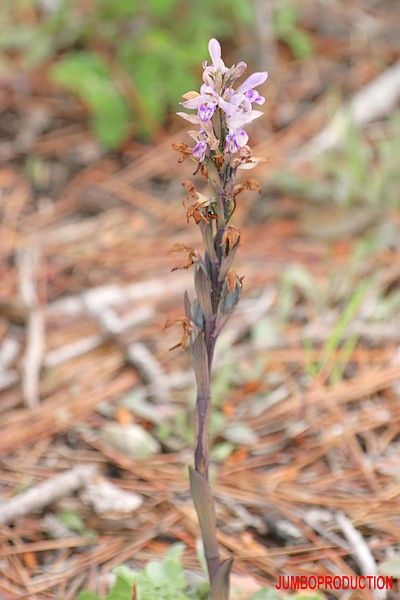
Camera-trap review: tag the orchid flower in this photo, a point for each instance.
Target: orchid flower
(220, 148)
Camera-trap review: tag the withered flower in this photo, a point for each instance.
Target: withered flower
(190, 95)
(230, 238)
(246, 160)
(187, 328)
(250, 185)
(190, 188)
(231, 281)
(195, 212)
(184, 149)
(179, 247)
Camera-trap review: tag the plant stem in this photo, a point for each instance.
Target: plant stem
(220, 149)
(201, 493)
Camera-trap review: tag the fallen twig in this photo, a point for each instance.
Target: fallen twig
(28, 260)
(141, 357)
(361, 551)
(40, 496)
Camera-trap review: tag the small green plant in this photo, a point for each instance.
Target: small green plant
(365, 172)
(336, 368)
(362, 173)
(74, 522)
(286, 28)
(125, 60)
(166, 580)
(343, 291)
(86, 75)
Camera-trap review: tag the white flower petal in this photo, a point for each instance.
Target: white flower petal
(252, 81)
(191, 118)
(241, 119)
(252, 163)
(214, 48)
(195, 102)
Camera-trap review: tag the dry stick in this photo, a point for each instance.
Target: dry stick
(220, 149)
(361, 551)
(28, 262)
(40, 496)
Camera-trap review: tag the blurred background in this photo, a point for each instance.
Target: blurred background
(306, 426)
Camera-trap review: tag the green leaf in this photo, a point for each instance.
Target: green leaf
(220, 452)
(88, 595)
(71, 520)
(300, 43)
(243, 11)
(287, 29)
(285, 18)
(148, 74)
(123, 586)
(391, 567)
(161, 8)
(125, 573)
(265, 594)
(116, 9)
(86, 75)
(240, 433)
(303, 596)
(155, 572)
(174, 554)
(168, 574)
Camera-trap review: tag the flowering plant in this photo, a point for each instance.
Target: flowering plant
(220, 150)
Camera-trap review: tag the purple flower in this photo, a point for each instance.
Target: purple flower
(252, 81)
(243, 117)
(191, 118)
(217, 67)
(206, 111)
(199, 151)
(235, 105)
(235, 72)
(254, 96)
(235, 140)
(214, 48)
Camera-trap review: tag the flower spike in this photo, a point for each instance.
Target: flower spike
(235, 106)
(220, 148)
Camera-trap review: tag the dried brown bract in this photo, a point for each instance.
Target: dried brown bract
(219, 159)
(190, 95)
(195, 211)
(230, 238)
(250, 185)
(189, 187)
(231, 280)
(186, 331)
(179, 247)
(246, 160)
(184, 149)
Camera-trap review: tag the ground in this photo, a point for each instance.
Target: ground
(307, 420)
